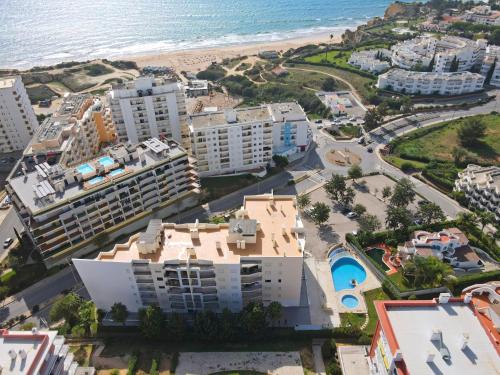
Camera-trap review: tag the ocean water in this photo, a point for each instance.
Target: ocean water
(43, 32)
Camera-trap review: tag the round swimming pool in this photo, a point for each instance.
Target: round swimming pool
(350, 301)
(347, 273)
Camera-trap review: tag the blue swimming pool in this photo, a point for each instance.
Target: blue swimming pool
(95, 180)
(347, 273)
(116, 172)
(106, 161)
(85, 168)
(350, 301)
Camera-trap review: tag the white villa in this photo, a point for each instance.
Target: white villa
(449, 245)
(370, 60)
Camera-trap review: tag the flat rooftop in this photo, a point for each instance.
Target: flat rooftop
(275, 220)
(8, 82)
(24, 185)
(221, 118)
(35, 346)
(412, 325)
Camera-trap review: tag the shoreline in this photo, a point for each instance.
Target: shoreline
(197, 59)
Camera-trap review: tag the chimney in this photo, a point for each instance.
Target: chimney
(430, 357)
(444, 297)
(464, 341)
(283, 230)
(436, 335)
(12, 354)
(23, 354)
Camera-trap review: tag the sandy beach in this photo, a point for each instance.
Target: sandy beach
(198, 59)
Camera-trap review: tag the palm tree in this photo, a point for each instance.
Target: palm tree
(274, 311)
(467, 219)
(485, 218)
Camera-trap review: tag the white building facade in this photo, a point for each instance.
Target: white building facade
(183, 268)
(492, 61)
(427, 83)
(64, 210)
(481, 186)
(17, 118)
(245, 139)
(149, 108)
(371, 60)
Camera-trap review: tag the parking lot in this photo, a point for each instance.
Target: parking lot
(320, 240)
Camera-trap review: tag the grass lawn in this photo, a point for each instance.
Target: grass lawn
(310, 80)
(81, 354)
(397, 278)
(438, 141)
(351, 131)
(360, 83)
(352, 319)
(398, 162)
(376, 255)
(370, 296)
(338, 58)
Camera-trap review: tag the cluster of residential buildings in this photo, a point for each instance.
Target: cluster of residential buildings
(371, 60)
(257, 256)
(482, 14)
(481, 186)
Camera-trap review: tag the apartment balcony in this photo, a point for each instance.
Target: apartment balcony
(251, 287)
(251, 278)
(208, 283)
(210, 299)
(204, 291)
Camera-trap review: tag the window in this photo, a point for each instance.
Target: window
(279, 280)
(268, 281)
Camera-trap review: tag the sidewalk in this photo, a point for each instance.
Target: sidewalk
(319, 365)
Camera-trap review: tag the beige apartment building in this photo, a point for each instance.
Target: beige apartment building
(257, 256)
(73, 134)
(69, 210)
(17, 118)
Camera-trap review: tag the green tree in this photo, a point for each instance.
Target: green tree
(228, 327)
(329, 84)
(274, 311)
(319, 213)
(454, 64)
(467, 219)
(426, 271)
(430, 213)
(280, 161)
(386, 192)
(151, 322)
(369, 223)
(335, 187)
(406, 104)
(485, 218)
(303, 200)
(206, 326)
(119, 312)
(403, 193)
(471, 130)
(348, 197)
(78, 331)
(459, 154)
(66, 308)
(253, 320)
(86, 314)
(398, 217)
(175, 327)
(359, 209)
(373, 119)
(355, 172)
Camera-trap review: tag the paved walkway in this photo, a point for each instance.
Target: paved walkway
(319, 365)
(353, 360)
(205, 363)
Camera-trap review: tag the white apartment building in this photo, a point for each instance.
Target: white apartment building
(492, 56)
(428, 83)
(73, 134)
(444, 335)
(481, 186)
(149, 107)
(245, 139)
(37, 353)
(370, 60)
(482, 14)
(17, 118)
(67, 210)
(197, 87)
(257, 256)
(422, 50)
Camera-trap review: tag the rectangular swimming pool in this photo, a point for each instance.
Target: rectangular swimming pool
(85, 168)
(95, 180)
(116, 172)
(106, 161)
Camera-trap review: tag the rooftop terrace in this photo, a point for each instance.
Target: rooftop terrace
(230, 116)
(271, 228)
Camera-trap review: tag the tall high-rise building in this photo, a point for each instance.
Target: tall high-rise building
(149, 107)
(17, 118)
(256, 257)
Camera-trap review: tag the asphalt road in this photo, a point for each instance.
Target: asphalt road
(7, 226)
